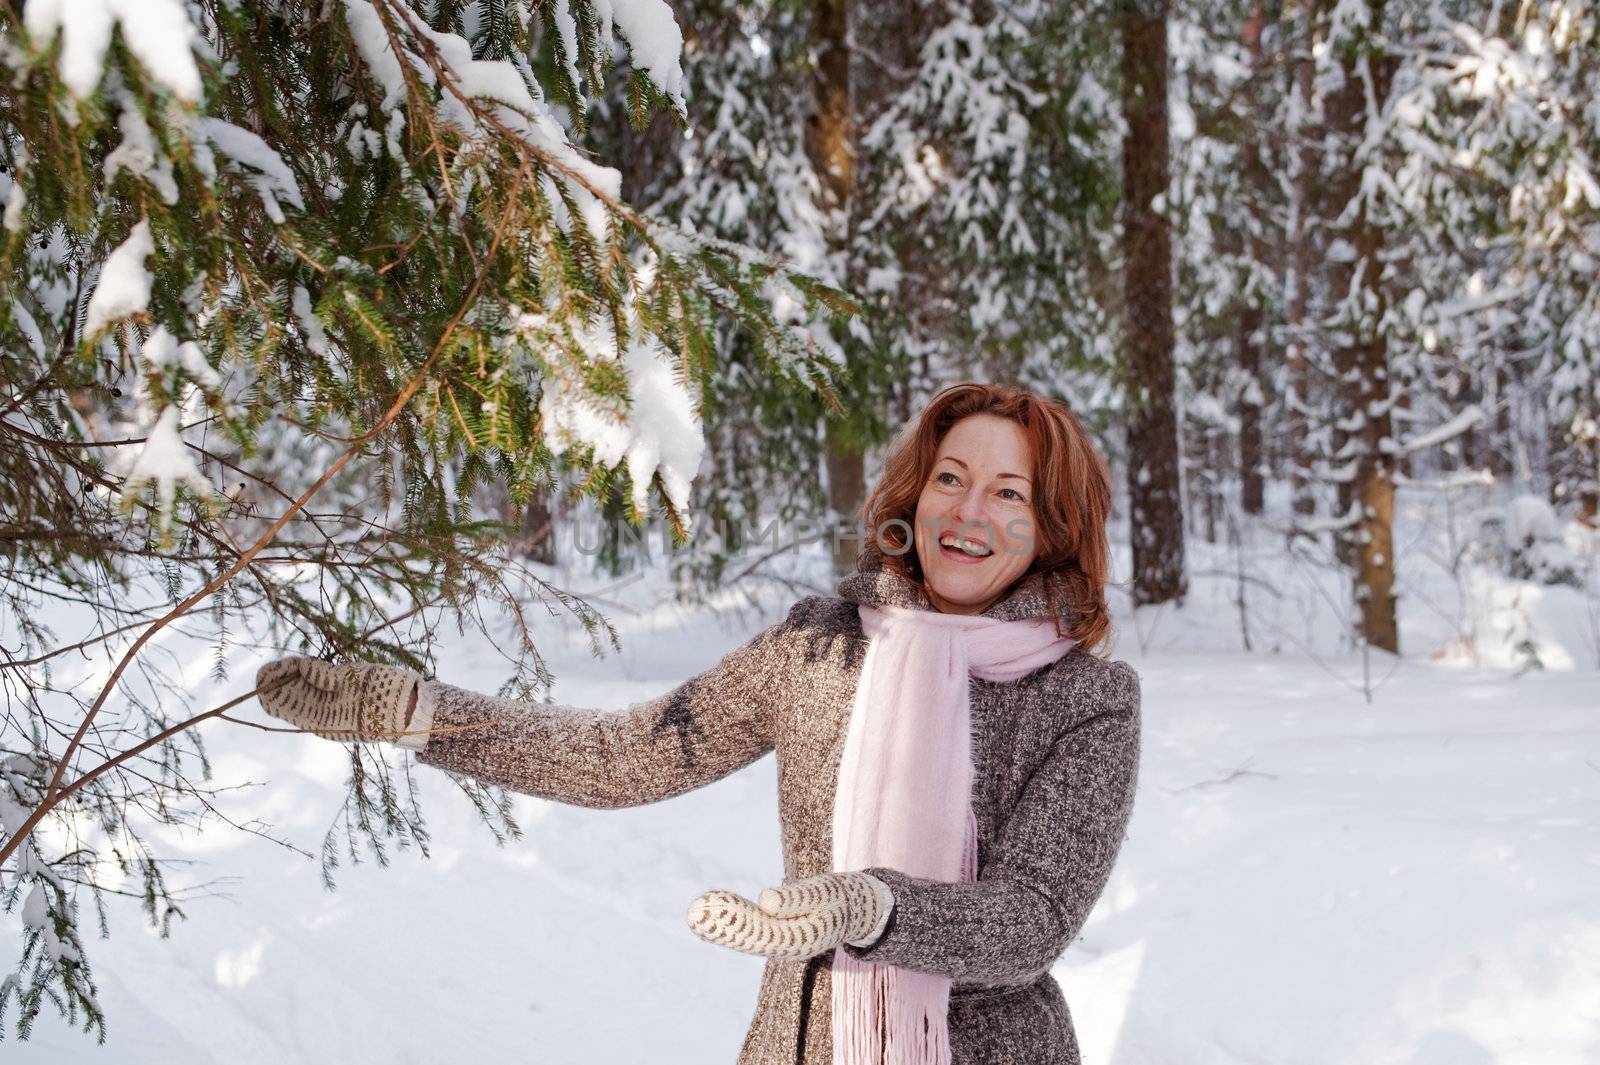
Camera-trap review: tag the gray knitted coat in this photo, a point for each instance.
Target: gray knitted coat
(1055, 757)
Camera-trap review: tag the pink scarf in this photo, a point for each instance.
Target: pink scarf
(904, 801)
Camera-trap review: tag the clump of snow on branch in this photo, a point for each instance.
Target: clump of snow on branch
(567, 27)
(15, 772)
(139, 154)
(264, 168)
(14, 192)
(372, 41)
(659, 432)
(124, 286)
(654, 39)
(1467, 419)
(163, 353)
(157, 32)
(316, 336)
(36, 913)
(163, 460)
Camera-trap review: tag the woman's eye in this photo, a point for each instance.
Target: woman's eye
(1016, 495)
(941, 477)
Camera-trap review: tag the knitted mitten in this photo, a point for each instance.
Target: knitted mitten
(339, 701)
(797, 920)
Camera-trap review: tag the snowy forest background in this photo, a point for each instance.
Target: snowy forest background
(487, 337)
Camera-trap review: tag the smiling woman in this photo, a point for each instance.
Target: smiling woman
(956, 767)
(996, 483)
(979, 516)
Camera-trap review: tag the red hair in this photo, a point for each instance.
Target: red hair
(1071, 500)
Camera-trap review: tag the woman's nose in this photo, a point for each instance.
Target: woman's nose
(969, 507)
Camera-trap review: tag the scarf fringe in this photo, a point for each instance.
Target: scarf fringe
(875, 1021)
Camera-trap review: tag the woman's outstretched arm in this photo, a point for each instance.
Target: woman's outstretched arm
(1050, 862)
(709, 726)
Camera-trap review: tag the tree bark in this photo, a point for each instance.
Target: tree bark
(1154, 477)
(1296, 405)
(1248, 328)
(830, 146)
(1360, 351)
(535, 537)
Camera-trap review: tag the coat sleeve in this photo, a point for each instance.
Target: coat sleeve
(704, 729)
(1048, 866)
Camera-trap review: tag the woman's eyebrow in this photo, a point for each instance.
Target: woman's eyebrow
(963, 465)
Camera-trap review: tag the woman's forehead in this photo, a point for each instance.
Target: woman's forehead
(981, 438)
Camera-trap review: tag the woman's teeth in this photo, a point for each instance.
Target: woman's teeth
(966, 547)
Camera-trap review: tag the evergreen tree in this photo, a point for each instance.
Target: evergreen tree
(284, 282)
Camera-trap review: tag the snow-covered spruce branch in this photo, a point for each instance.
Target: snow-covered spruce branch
(53, 793)
(514, 122)
(274, 211)
(269, 239)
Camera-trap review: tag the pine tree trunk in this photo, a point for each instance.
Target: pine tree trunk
(830, 140)
(1360, 352)
(831, 149)
(1154, 482)
(1298, 314)
(1247, 347)
(1247, 342)
(536, 539)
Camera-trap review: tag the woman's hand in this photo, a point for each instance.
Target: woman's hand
(799, 919)
(339, 701)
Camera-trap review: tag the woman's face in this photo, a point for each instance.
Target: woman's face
(980, 489)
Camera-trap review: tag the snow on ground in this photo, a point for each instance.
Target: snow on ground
(1308, 877)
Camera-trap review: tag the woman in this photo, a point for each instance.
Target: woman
(956, 765)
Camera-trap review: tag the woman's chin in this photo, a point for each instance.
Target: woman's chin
(960, 593)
